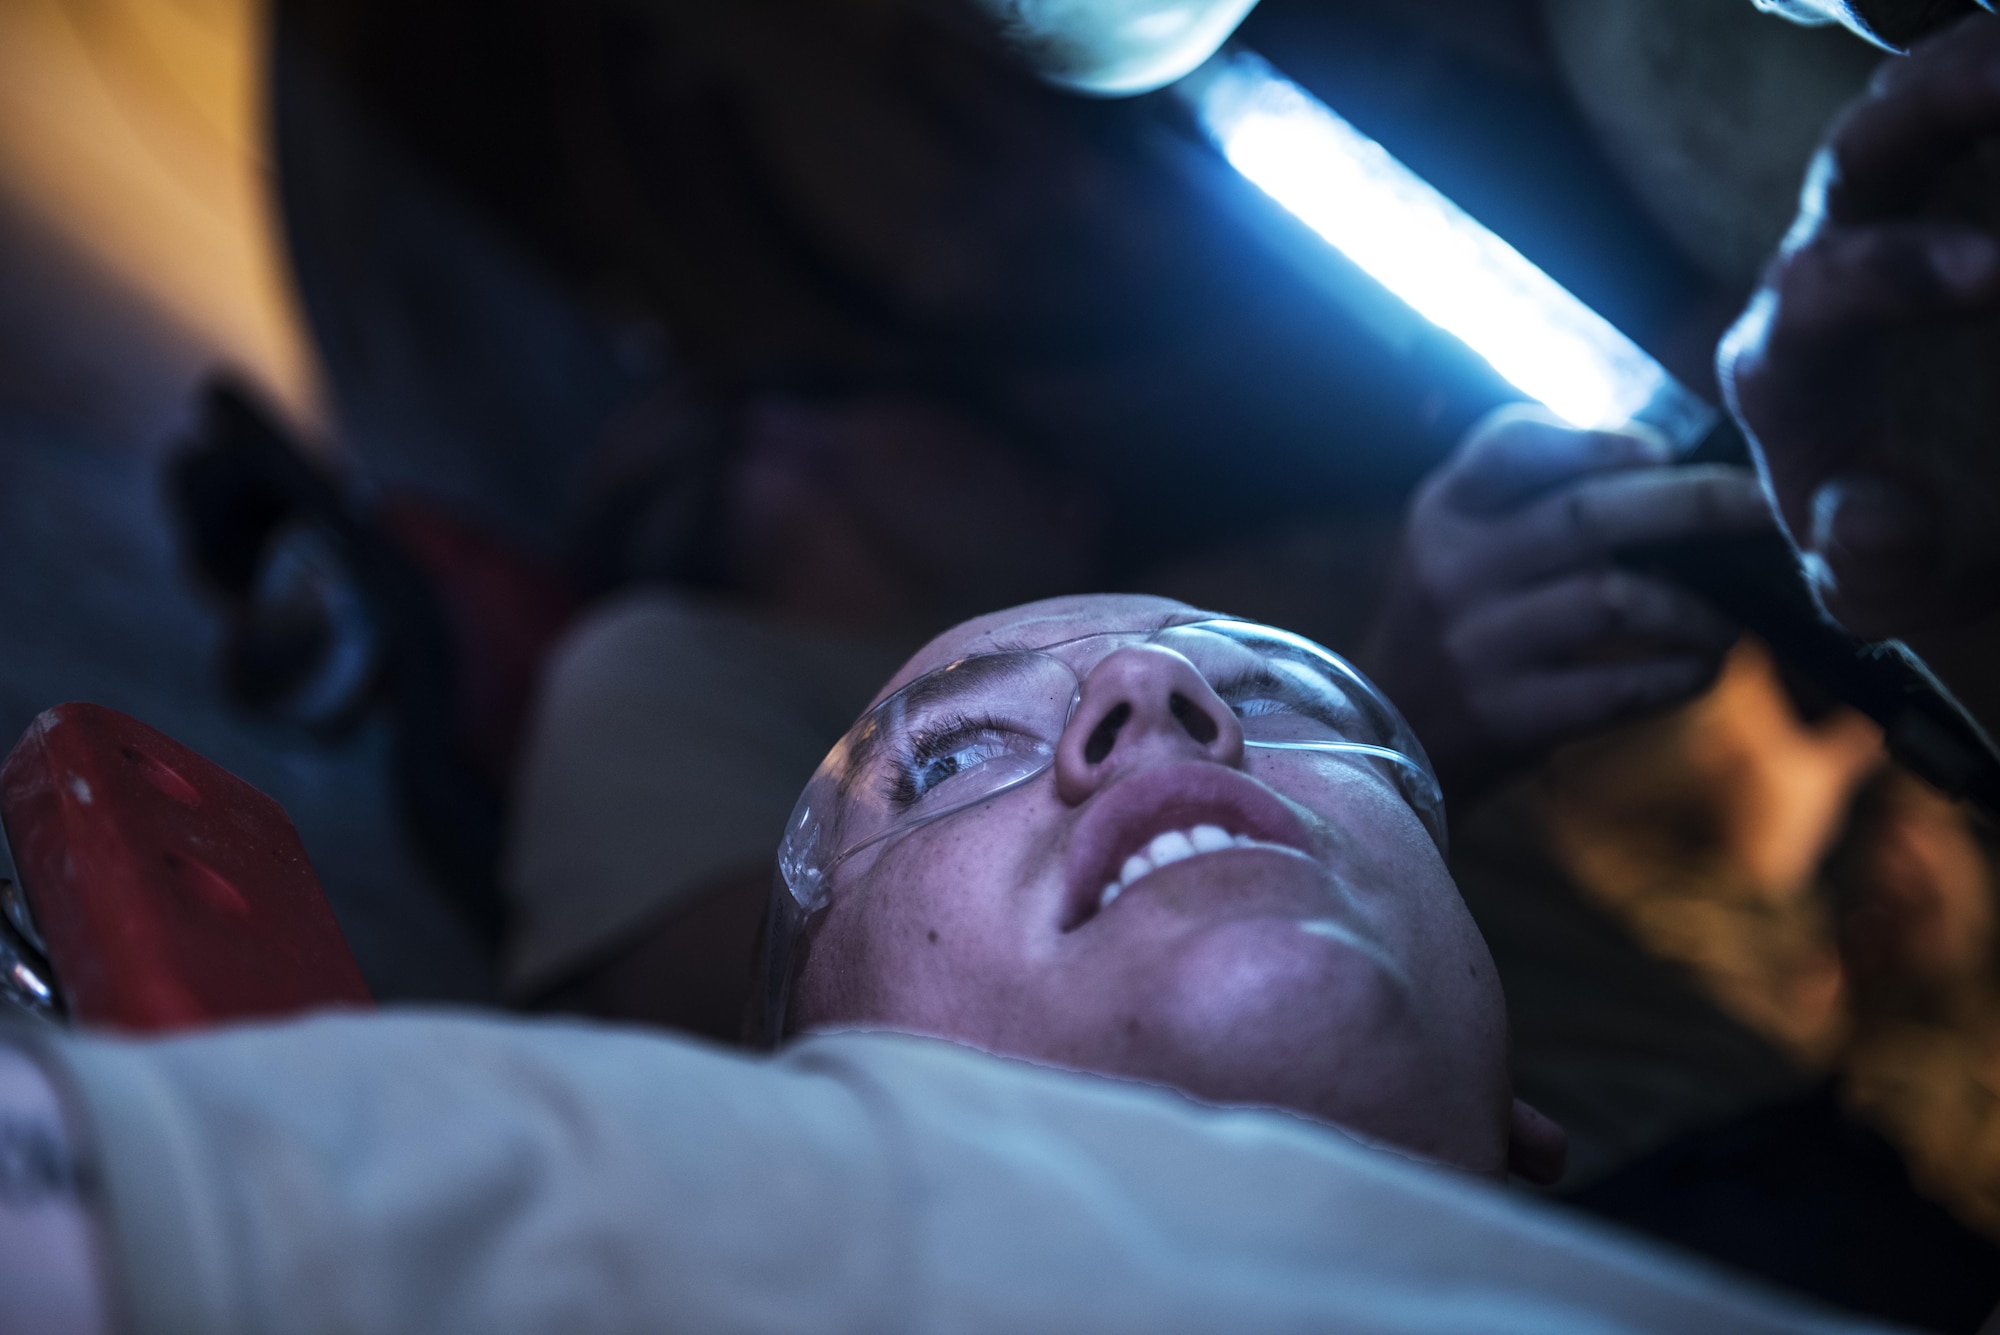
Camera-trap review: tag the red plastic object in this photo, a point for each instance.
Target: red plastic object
(169, 892)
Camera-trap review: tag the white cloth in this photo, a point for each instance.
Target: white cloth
(438, 1173)
(670, 739)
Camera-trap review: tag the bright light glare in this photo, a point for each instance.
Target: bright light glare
(1424, 248)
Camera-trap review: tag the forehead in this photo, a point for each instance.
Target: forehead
(1047, 622)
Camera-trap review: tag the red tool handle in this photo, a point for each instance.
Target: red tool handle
(168, 892)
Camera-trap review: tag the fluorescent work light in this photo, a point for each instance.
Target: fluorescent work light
(1432, 254)
(1440, 263)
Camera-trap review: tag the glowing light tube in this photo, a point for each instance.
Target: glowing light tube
(1424, 248)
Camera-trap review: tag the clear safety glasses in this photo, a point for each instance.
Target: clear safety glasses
(988, 724)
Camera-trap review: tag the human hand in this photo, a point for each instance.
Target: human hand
(1866, 370)
(1507, 627)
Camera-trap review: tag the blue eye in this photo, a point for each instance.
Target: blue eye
(956, 748)
(940, 768)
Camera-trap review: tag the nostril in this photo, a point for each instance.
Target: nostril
(1198, 722)
(1105, 735)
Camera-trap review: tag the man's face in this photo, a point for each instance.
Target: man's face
(1326, 964)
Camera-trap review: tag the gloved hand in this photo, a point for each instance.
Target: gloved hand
(1508, 628)
(1867, 368)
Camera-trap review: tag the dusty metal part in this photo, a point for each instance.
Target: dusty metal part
(1898, 23)
(14, 900)
(27, 981)
(1891, 24)
(27, 984)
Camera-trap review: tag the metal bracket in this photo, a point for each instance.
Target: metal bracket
(27, 983)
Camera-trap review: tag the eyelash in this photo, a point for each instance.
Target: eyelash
(932, 743)
(1241, 690)
(947, 735)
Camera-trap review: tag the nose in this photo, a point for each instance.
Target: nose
(1142, 704)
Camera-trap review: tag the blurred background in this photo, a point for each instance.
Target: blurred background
(349, 351)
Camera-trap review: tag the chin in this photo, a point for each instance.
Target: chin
(1273, 1010)
(1304, 1016)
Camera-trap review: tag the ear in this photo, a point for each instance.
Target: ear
(1537, 1149)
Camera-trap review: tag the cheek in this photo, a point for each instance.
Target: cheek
(1399, 883)
(925, 933)
(1370, 832)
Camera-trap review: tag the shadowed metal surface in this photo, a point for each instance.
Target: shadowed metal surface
(95, 606)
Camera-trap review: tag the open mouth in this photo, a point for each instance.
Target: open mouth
(1162, 816)
(1171, 847)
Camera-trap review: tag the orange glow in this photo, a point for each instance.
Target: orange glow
(1704, 831)
(134, 130)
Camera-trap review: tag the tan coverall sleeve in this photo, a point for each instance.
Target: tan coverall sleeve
(439, 1173)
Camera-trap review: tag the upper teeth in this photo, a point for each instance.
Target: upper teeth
(1171, 847)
